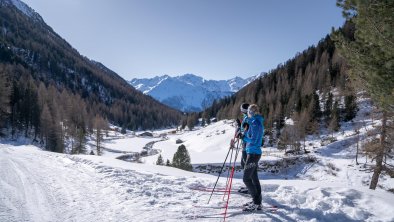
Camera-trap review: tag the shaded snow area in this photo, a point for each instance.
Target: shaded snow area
(41, 186)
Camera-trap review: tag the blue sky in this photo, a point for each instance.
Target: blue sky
(216, 39)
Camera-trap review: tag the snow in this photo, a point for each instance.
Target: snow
(289, 121)
(133, 144)
(189, 92)
(43, 186)
(324, 185)
(206, 145)
(23, 8)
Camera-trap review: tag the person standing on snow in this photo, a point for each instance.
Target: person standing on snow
(242, 128)
(253, 138)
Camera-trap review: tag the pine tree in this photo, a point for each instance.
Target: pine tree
(181, 159)
(350, 107)
(160, 160)
(328, 108)
(370, 54)
(203, 122)
(168, 163)
(316, 111)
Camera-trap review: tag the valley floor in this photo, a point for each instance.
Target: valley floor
(41, 186)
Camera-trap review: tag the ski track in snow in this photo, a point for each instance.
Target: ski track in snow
(43, 186)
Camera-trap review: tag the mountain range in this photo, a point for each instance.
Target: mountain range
(189, 92)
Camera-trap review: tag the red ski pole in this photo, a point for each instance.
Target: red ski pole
(231, 182)
(224, 163)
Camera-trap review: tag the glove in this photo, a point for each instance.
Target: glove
(245, 126)
(238, 122)
(240, 135)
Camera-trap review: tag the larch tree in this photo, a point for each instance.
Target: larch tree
(370, 55)
(99, 125)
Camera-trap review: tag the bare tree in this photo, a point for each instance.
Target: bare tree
(100, 125)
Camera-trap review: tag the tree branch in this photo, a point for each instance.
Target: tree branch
(388, 164)
(381, 35)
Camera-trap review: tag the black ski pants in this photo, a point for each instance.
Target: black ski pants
(251, 178)
(244, 155)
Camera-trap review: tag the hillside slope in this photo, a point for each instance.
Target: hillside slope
(46, 83)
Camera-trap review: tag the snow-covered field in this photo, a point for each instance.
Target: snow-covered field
(206, 145)
(36, 185)
(42, 186)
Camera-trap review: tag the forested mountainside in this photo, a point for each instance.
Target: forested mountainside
(312, 88)
(315, 92)
(52, 93)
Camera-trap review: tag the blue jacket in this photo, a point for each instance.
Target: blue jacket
(254, 136)
(244, 120)
(242, 130)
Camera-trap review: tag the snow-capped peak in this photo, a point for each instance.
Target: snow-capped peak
(189, 92)
(191, 79)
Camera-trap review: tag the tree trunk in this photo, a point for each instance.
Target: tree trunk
(358, 140)
(380, 154)
(98, 141)
(27, 129)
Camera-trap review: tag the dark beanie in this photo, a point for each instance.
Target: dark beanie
(244, 108)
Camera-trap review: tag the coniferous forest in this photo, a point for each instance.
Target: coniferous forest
(52, 94)
(312, 88)
(317, 88)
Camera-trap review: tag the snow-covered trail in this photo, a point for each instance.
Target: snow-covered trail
(43, 186)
